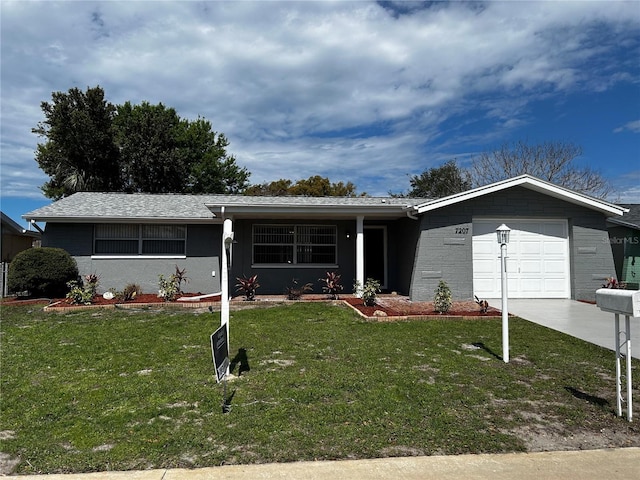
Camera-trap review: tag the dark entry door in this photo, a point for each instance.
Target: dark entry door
(375, 254)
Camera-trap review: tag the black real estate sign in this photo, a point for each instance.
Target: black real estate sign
(220, 352)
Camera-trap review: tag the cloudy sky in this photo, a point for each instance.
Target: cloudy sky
(360, 91)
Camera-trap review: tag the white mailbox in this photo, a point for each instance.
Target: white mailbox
(627, 303)
(623, 302)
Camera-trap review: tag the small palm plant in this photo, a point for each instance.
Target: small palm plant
(248, 286)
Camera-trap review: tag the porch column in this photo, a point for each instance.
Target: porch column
(360, 250)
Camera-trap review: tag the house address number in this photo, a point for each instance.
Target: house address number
(462, 230)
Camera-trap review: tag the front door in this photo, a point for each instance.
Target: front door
(375, 254)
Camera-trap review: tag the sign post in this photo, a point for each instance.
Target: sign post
(627, 303)
(220, 353)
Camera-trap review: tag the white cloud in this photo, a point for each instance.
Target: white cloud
(633, 126)
(285, 80)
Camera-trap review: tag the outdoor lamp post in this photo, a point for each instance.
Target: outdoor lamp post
(503, 239)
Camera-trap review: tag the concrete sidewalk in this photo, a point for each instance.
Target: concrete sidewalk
(621, 464)
(578, 319)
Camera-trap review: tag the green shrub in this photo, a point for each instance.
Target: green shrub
(43, 272)
(78, 294)
(82, 293)
(442, 299)
(168, 288)
(368, 292)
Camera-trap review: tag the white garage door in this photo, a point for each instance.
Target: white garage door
(537, 259)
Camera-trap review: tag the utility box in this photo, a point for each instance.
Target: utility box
(623, 302)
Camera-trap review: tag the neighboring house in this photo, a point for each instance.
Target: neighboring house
(15, 238)
(624, 235)
(559, 244)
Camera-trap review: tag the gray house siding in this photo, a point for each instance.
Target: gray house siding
(443, 253)
(203, 245)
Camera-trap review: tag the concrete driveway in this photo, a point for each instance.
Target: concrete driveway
(578, 319)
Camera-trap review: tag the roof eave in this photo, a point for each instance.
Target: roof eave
(103, 219)
(530, 183)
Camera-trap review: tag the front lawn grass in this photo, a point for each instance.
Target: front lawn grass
(120, 390)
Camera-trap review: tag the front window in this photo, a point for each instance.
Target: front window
(131, 239)
(295, 244)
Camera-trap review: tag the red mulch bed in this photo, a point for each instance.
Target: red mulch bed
(398, 306)
(386, 305)
(150, 298)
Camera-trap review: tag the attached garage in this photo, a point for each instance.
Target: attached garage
(537, 258)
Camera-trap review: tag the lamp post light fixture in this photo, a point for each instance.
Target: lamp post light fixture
(503, 239)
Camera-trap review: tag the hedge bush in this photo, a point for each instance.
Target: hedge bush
(43, 272)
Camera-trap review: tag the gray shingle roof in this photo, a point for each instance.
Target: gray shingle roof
(88, 206)
(633, 215)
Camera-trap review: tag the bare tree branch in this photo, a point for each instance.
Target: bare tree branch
(554, 162)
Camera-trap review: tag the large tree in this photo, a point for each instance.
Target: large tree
(553, 161)
(92, 145)
(314, 186)
(148, 139)
(80, 152)
(211, 169)
(440, 181)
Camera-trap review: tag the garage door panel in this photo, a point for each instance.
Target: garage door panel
(530, 285)
(557, 230)
(537, 259)
(528, 228)
(530, 247)
(554, 285)
(555, 248)
(528, 267)
(555, 267)
(485, 248)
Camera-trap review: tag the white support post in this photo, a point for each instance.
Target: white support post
(505, 308)
(627, 303)
(227, 239)
(360, 250)
(619, 354)
(618, 368)
(627, 326)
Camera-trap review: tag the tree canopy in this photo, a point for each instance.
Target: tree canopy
(440, 181)
(80, 152)
(314, 186)
(553, 161)
(92, 145)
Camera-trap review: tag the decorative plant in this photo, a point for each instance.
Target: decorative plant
(180, 278)
(91, 282)
(484, 305)
(82, 292)
(332, 284)
(248, 286)
(295, 291)
(368, 292)
(168, 288)
(79, 294)
(612, 282)
(130, 292)
(442, 299)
